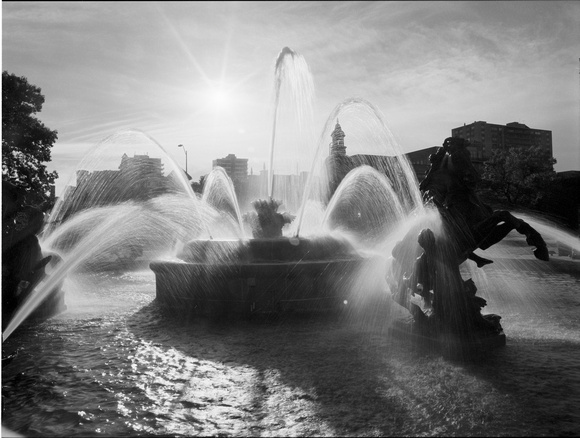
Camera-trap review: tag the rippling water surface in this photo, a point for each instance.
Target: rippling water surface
(114, 365)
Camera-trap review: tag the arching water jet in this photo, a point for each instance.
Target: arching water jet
(106, 216)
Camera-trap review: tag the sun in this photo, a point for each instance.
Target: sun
(219, 99)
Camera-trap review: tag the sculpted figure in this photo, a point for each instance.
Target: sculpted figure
(23, 263)
(450, 184)
(436, 295)
(267, 222)
(423, 277)
(430, 285)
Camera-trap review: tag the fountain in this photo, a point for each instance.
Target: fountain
(295, 262)
(271, 272)
(110, 220)
(359, 225)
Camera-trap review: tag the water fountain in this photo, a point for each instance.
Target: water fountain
(296, 262)
(349, 214)
(269, 272)
(112, 220)
(130, 372)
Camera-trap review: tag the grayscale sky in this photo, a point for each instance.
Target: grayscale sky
(201, 73)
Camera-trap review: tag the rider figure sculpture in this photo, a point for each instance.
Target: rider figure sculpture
(450, 184)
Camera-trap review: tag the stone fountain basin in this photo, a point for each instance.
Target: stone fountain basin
(258, 276)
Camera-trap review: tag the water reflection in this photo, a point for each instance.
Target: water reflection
(113, 365)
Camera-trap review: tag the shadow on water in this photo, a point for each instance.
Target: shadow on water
(348, 373)
(120, 366)
(536, 382)
(300, 366)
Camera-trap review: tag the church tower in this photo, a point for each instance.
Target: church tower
(338, 164)
(337, 147)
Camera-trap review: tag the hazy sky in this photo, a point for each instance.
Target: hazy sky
(160, 67)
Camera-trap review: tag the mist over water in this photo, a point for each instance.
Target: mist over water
(365, 204)
(108, 216)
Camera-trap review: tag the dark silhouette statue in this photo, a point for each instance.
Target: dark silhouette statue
(267, 221)
(429, 282)
(23, 262)
(450, 184)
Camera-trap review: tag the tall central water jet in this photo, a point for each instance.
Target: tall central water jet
(315, 262)
(293, 99)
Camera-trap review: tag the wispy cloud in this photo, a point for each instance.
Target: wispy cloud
(106, 66)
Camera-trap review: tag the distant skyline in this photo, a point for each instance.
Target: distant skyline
(201, 73)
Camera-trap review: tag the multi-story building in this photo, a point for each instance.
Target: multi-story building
(138, 178)
(420, 161)
(339, 164)
(249, 187)
(254, 187)
(487, 137)
(147, 166)
(236, 168)
(483, 139)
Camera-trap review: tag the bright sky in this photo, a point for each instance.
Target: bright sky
(201, 73)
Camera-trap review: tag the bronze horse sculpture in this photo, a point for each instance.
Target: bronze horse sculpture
(430, 286)
(450, 184)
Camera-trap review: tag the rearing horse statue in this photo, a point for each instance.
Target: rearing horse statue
(450, 184)
(431, 286)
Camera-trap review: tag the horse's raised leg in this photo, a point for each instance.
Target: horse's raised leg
(534, 238)
(496, 233)
(510, 222)
(500, 223)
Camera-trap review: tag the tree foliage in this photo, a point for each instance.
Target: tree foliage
(198, 186)
(26, 142)
(520, 176)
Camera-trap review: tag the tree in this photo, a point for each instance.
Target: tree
(520, 176)
(198, 186)
(26, 142)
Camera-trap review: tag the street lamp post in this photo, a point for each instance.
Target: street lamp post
(184, 150)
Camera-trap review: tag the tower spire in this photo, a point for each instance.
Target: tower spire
(337, 146)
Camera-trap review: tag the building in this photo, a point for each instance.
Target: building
(236, 168)
(254, 187)
(339, 164)
(249, 187)
(420, 161)
(138, 178)
(487, 137)
(484, 138)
